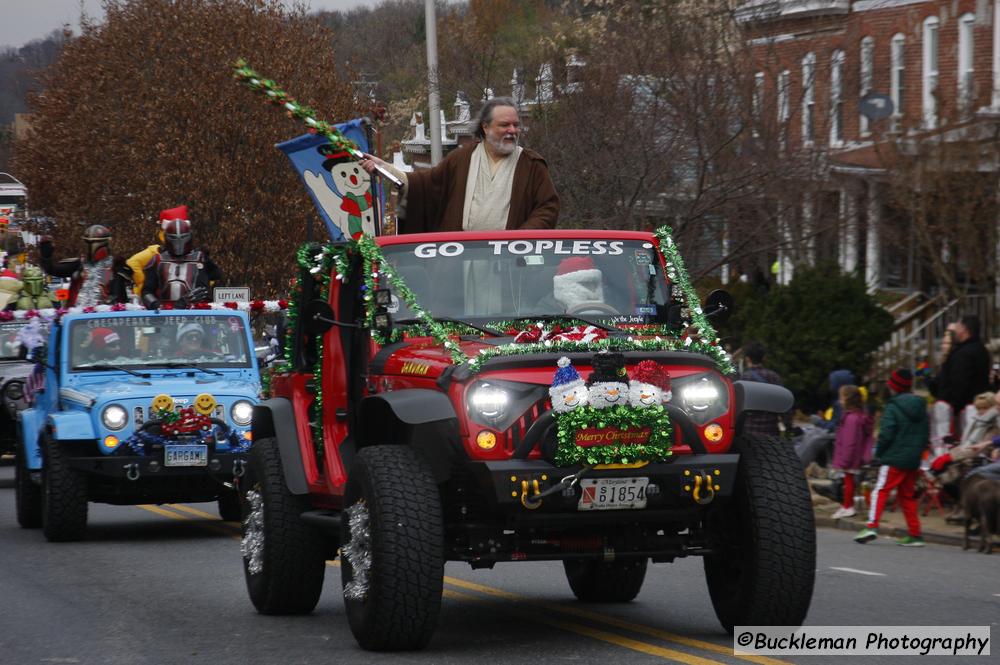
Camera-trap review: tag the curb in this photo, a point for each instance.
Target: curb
(894, 532)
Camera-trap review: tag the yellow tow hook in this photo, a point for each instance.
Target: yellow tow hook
(527, 501)
(703, 478)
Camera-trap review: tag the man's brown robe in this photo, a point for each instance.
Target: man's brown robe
(436, 197)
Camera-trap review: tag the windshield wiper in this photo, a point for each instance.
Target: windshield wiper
(105, 366)
(448, 319)
(175, 365)
(574, 317)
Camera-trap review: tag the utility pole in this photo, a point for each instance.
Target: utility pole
(433, 98)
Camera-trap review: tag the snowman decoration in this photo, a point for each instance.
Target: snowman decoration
(649, 386)
(349, 203)
(568, 391)
(608, 383)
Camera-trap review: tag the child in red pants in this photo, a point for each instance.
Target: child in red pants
(853, 445)
(903, 434)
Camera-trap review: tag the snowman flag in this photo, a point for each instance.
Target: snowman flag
(342, 191)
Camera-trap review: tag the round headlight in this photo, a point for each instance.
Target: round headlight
(242, 413)
(114, 417)
(14, 390)
(700, 395)
(490, 402)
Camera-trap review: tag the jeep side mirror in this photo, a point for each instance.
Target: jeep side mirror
(317, 317)
(719, 305)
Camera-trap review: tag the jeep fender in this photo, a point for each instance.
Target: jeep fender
(72, 426)
(418, 417)
(276, 418)
(29, 424)
(757, 396)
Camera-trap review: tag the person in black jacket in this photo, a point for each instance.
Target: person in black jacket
(966, 371)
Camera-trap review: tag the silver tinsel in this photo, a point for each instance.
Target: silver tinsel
(252, 545)
(358, 552)
(92, 288)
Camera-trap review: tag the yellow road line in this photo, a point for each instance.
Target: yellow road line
(612, 621)
(194, 511)
(594, 633)
(160, 511)
(574, 611)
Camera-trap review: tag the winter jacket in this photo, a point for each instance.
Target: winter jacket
(965, 374)
(853, 445)
(903, 432)
(980, 427)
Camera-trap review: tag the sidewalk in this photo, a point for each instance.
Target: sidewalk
(892, 524)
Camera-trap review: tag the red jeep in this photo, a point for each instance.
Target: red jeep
(433, 407)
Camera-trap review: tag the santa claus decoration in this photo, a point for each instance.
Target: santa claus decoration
(577, 282)
(649, 385)
(568, 391)
(608, 383)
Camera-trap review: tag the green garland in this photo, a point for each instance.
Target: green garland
(656, 449)
(243, 72)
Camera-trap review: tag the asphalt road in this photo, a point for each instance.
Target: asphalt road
(164, 584)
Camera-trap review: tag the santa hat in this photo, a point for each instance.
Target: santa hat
(568, 284)
(102, 337)
(608, 368)
(180, 212)
(566, 377)
(649, 371)
(900, 381)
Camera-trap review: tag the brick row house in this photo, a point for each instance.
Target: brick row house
(938, 62)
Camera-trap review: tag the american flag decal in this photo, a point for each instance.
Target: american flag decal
(34, 383)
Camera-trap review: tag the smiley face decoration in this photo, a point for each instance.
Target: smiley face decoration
(608, 383)
(568, 391)
(649, 385)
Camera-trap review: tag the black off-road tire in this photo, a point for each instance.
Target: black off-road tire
(396, 605)
(64, 495)
(292, 554)
(229, 506)
(28, 495)
(764, 572)
(604, 582)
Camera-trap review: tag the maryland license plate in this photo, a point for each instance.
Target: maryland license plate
(190, 455)
(613, 493)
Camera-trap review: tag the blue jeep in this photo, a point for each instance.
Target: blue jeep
(136, 407)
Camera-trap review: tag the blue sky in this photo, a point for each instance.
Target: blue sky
(25, 20)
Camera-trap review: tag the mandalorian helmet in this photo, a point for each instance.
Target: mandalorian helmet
(177, 236)
(98, 241)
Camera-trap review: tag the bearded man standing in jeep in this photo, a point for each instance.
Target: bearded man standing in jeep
(491, 184)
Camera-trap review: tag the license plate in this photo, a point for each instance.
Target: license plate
(196, 455)
(613, 493)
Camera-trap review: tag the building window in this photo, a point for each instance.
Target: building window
(808, 97)
(866, 75)
(966, 45)
(930, 81)
(758, 101)
(836, 98)
(897, 82)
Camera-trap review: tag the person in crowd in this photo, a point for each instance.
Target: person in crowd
(965, 372)
(491, 184)
(902, 438)
(96, 278)
(837, 379)
(853, 445)
(760, 423)
(982, 428)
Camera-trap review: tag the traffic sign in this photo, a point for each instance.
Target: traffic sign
(231, 294)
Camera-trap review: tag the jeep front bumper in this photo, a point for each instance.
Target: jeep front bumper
(134, 467)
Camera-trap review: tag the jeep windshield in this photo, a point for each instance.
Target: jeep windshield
(607, 280)
(204, 341)
(10, 348)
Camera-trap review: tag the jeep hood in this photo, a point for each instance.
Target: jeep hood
(107, 388)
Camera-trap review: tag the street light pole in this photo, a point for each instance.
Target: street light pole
(433, 98)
